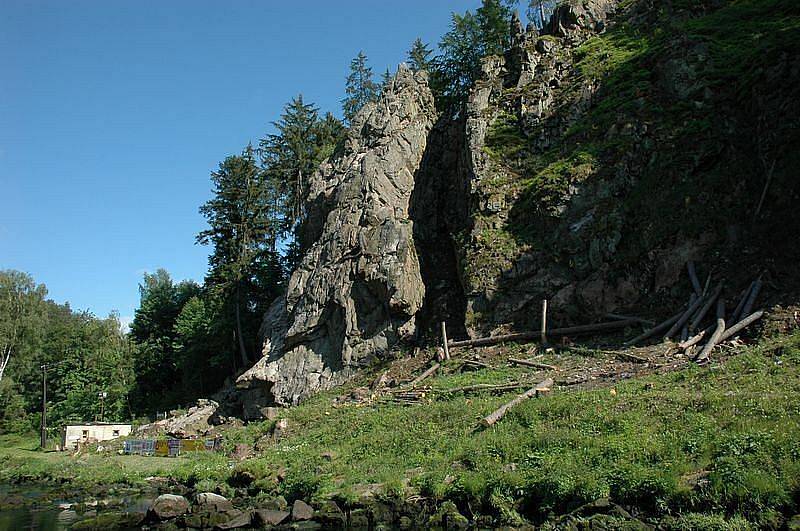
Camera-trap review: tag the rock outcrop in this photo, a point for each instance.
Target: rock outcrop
(358, 288)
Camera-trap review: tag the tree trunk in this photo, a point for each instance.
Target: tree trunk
(240, 337)
(4, 361)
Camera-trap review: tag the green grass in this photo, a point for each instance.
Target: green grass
(700, 445)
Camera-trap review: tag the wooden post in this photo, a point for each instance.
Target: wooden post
(444, 341)
(44, 407)
(544, 322)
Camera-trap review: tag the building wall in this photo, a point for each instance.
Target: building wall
(73, 435)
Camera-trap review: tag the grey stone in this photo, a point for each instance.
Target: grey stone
(208, 501)
(302, 511)
(168, 506)
(266, 517)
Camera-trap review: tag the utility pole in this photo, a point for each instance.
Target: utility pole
(44, 407)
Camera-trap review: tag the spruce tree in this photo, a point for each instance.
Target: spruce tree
(242, 264)
(419, 56)
(494, 20)
(360, 88)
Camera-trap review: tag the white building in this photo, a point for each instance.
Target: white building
(75, 434)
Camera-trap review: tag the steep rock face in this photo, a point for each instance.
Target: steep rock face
(619, 144)
(358, 288)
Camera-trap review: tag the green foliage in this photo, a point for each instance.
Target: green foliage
(419, 56)
(360, 88)
(87, 356)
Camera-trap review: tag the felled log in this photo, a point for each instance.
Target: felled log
(741, 325)
(712, 342)
(418, 379)
(500, 412)
(737, 312)
(693, 278)
(528, 336)
(751, 298)
(684, 318)
(619, 317)
(655, 330)
(531, 363)
(698, 318)
(486, 387)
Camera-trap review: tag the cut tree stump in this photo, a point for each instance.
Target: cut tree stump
(499, 413)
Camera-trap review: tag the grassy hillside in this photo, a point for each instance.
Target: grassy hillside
(717, 446)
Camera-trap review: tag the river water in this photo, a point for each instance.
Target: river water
(42, 508)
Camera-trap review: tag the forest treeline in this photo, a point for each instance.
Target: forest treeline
(187, 339)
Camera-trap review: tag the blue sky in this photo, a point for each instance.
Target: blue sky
(113, 114)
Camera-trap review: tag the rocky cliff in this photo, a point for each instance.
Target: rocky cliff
(358, 288)
(589, 163)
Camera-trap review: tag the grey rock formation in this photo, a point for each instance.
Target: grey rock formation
(358, 288)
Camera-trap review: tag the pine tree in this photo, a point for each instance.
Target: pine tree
(460, 58)
(419, 56)
(360, 88)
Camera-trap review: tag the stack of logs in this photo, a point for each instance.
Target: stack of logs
(687, 325)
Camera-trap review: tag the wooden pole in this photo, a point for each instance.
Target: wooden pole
(751, 298)
(499, 413)
(44, 408)
(544, 322)
(444, 341)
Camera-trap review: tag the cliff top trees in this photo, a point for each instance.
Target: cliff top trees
(360, 88)
(419, 56)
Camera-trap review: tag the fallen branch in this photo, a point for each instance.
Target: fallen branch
(712, 342)
(418, 379)
(653, 331)
(528, 336)
(530, 363)
(498, 414)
